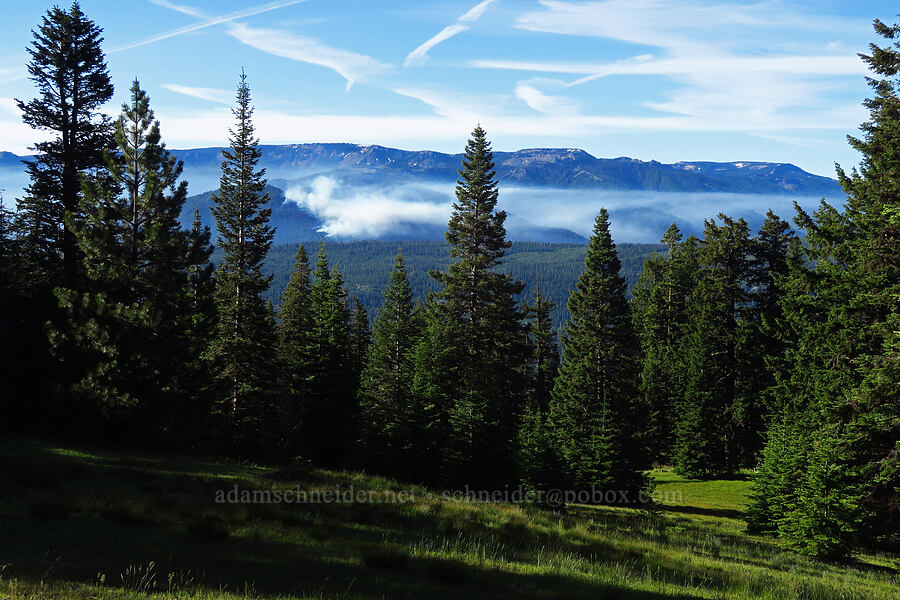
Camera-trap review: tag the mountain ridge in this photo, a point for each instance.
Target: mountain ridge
(567, 168)
(550, 167)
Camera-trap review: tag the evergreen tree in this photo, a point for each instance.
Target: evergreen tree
(774, 255)
(242, 348)
(783, 457)
(713, 410)
(199, 322)
(360, 339)
(331, 406)
(596, 411)
(544, 361)
(844, 367)
(296, 346)
(540, 464)
(478, 377)
(393, 422)
(127, 323)
(68, 68)
(659, 304)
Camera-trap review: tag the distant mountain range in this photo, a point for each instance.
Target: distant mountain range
(538, 185)
(547, 167)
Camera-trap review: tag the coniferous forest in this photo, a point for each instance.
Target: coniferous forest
(773, 353)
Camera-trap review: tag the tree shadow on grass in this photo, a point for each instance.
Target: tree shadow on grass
(728, 513)
(70, 516)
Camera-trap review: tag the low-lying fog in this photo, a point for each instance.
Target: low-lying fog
(353, 209)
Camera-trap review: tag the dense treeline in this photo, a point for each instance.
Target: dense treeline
(366, 266)
(736, 350)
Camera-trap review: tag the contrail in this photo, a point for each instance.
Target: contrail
(247, 12)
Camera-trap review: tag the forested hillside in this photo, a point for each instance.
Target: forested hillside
(569, 374)
(367, 265)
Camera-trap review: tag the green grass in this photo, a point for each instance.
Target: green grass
(85, 523)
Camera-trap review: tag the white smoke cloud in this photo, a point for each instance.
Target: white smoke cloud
(361, 212)
(364, 211)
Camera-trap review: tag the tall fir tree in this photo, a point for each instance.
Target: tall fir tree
(68, 67)
(659, 304)
(480, 383)
(775, 251)
(199, 325)
(331, 407)
(127, 322)
(713, 410)
(540, 463)
(242, 348)
(596, 410)
(296, 348)
(844, 367)
(543, 363)
(393, 422)
(360, 339)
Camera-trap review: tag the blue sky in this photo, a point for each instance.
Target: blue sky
(653, 79)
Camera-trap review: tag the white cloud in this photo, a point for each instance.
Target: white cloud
(450, 104)
(545, 103)
(351, 66)
(682, 24)
(360, 212)
(419, 56)
(210, 22)
(732, 66)
(211, 94)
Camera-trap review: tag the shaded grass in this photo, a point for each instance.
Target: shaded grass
(84, 523)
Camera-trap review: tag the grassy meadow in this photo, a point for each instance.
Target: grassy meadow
(84, 523)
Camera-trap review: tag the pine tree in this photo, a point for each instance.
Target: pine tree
(774, 254)
(596, 411)
(481, 380)
(127, 322)
(393, 423)
(713, 410)
(544, 361)
(331, 407)
(69, 69)
(296, 347)
(360, 339)
(540, 463)
(243, 346)
(844, 367)
(199, 324)
(659, 304)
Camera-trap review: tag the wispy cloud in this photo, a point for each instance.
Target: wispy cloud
(547, 104)
(730, 62)
(211, 94)
(207, 22)
(648, 64)
(351, 66)
(419, 56)
(683, 25)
